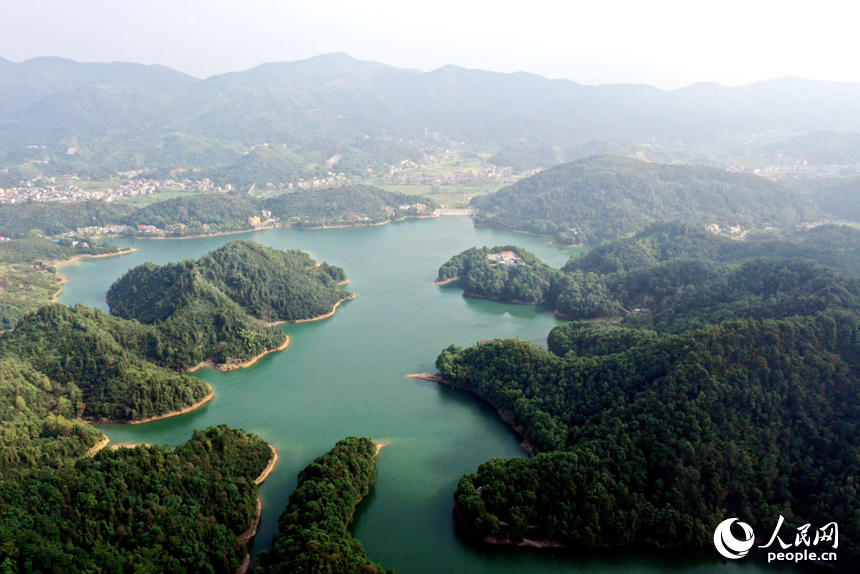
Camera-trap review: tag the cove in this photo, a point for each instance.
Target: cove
(346, 375)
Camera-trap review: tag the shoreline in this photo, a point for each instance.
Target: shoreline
(97, 256)
(227, 367)
(246, 537)
(277, 226)
(269, 467)
(447, 281)
(187, 409)
(380, 446)
(98, 446)
(318, 318)
(64, 279)
(527, 447)
(218, 234)
(503, 300)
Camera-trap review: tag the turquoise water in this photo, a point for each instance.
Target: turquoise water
(346, 376)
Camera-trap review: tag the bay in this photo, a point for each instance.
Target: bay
(346, 375)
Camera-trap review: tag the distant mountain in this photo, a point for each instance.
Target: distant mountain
(605, 197)
(821, 147)
(522, 156)
(336, 98)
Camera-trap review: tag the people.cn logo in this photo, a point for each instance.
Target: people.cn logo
(728, 545)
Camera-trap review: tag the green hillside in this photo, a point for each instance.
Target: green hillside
(608, 197)
(312, 533)
(659, 439)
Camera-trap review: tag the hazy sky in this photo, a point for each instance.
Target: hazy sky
(667, 43)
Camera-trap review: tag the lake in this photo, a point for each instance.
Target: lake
(346, 375)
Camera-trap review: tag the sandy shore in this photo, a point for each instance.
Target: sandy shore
(446, 281)
(188, 409)
(269, 467)
(436, 378)
(98, 446)
(233, 366)
(99, 256)
(246, 537)
(380, 445)
(56, 297)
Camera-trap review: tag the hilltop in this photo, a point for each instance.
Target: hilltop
(73, 117)
(605, 197)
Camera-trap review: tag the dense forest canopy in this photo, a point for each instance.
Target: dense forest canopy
(269, 284)
(673, 277)
(106, 368)
(662, 437)
(607, 197)
(722, 381)
(312, 535)
(144, 509)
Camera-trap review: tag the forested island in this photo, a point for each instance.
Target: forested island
(312, 533)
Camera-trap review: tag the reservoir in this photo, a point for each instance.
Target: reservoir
(346, 375)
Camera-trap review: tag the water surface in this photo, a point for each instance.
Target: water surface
(346, 376)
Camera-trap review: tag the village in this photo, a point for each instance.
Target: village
(67, 189)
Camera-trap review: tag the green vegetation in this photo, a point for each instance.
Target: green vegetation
(147, 509)
(102, 365)
(608, 197)
(188, 215)
(841, 199)
(728, 389)
(673, 277)
(445, 196)
(270, 284)
(351, 205)
(824, 147)
(525, 280)
(40, 424)
(21, 219)
(312, 535)
(203, 213)
(832, 245)
(660, 438)
(524, 156)
(28, 279)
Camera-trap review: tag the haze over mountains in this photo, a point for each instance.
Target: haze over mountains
(336, 98)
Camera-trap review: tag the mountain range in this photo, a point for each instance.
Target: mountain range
(335, 99)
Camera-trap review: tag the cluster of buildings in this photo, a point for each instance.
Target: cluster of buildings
(506, 258)
(732, 230)
(66, 190)
(332, 180)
